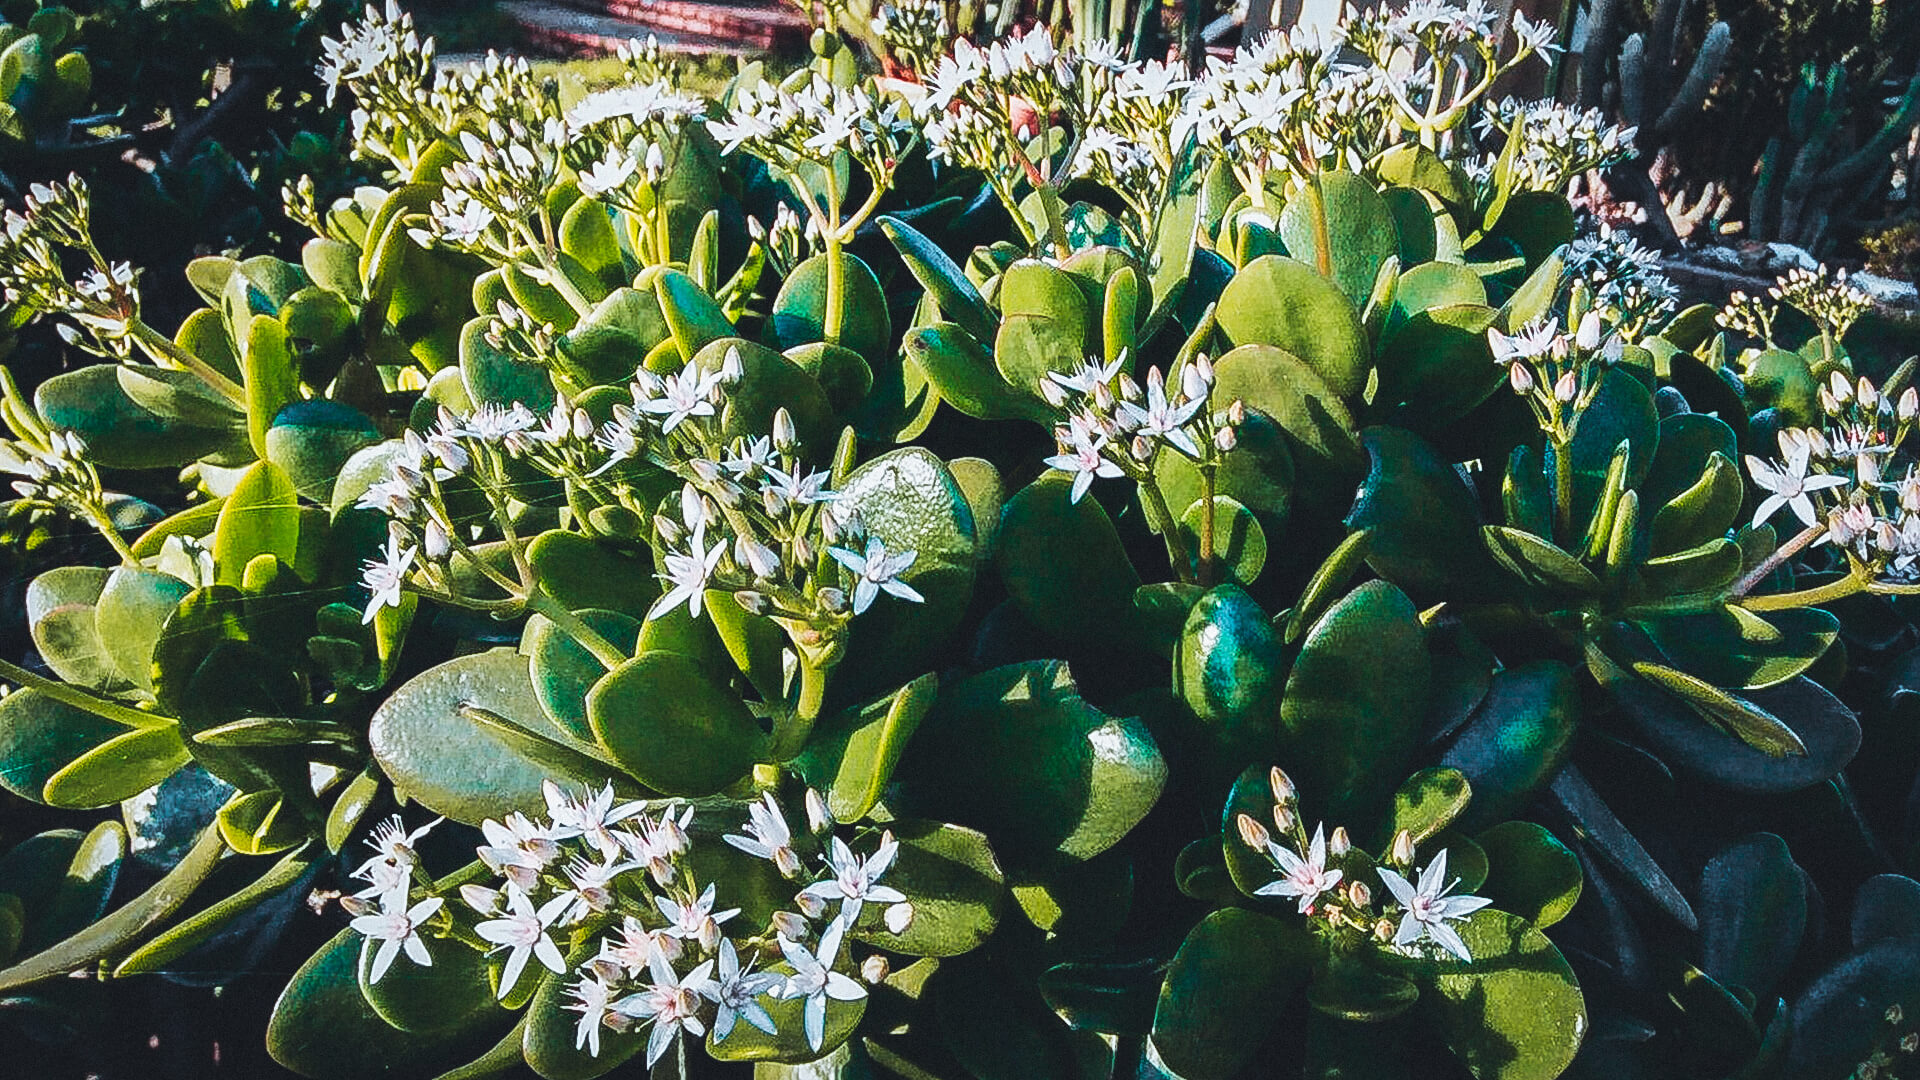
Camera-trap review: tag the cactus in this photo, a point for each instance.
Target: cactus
(1652, 90)
(1805, 175)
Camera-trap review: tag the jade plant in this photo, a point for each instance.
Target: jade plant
(1058, 566)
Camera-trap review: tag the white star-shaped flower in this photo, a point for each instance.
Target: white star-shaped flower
(1305, 878)
(1787, 483)
(385, 576)
(1428, 907)
(877, 570)
(523, 932)
(815, 980)
(855, 880)
(688, 573)
(1080, 456)
(396, 928)
(734, 991)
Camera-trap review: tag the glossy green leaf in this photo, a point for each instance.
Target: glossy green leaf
(1063, 562)
(562, 669)
(964, 373)
(1516, 740)
(851, 757)
(1017, 753)
(120, 768)
(40, 736)
(1239, 543)
(1518, 1014)
(1429, 801)
(1424, 522)
(1354, 701)
(1285, 303)
(665, 720)
(435, 755)
(119, 432)
(581, 572)
(1229, 668)
(950, 876)
(799, 313)
(1206, 1026)
(260, 517)
(1529, 872)
(1338, 221)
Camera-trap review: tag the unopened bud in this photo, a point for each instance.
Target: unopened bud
(1284, 817)
(670, 531)
(1192, 383)
(785, 439)
(1252, 833)
(356, 907)
(751, 602)
(1402, 849)
(1204, 367)
(1520, 377)
(1142, 448)
(810, 905)
(1129, 390)
(899, 917)
(1909, 405)
(582, 424)
(1339, 843)
(1225, 440)
(1565, 388)
(1102, 397)
(1842, 390)
(833, 599)
(873, 970)
(802, 550)
(1053, 393)
(1359, 894)
(819, 818)
(1827, 402)
(1281, 785)
(1237, 412)
(480, 898)
(434, 541)
(1588, 336)
(790, 926)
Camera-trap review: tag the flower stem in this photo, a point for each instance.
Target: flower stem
(1161, 517)
(68, 694)
(1562, 489)
(1773, 562)
(1206, 524)
(1819, 594)
(159, 345)
(790, 734)
(560, 615)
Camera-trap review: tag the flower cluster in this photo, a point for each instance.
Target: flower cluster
(1292, 101)
(916, 32)
(1838, 480)
(614, 880)
(1821, 295)
(794, 127)
(1425, 905)
(57, 474)
(55, 230)
(1113, 428)
(1557, 143)
(1626, 279)
(621, 138)
(1557, 374)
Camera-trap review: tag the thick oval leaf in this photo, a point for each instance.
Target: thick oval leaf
(1753, 911)
(1530, 873)
(1841, 1019)
(1063, 562)
(1827, 728)
(562, 669)
(954, 883)
(1016, 753)
(1228, 667)
(120, 433)
(453, 992)
(1429, 801)
(1519, 1014)
(1424, 521)
(450, 765)
(323, 1028)
(799, 314)
(312, 440)
(132, 611)
(1282, 385)
(260, 517)
(40, 736)
(117, 769)
(1340, 223)
(664, 719)
(1516, 740)
(851, 757)
(1216, 1006)
(1354, 701)
(1285, 303)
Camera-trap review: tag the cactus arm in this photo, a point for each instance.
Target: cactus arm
(1633, 87)
(1760, 209)
(1601, 18)
(1904, 117)
(1660, 44)
(1692, 95)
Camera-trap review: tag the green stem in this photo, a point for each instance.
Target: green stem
(836, 316)
(790, 735)
(159, 345)
(120, 546)
(1814, 597)
(576, 628)
(1772, 562)
(1206, 525)
(1562, 490)
(68, 694)
(1322, 233)
(1160, 516)
(112, 933)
